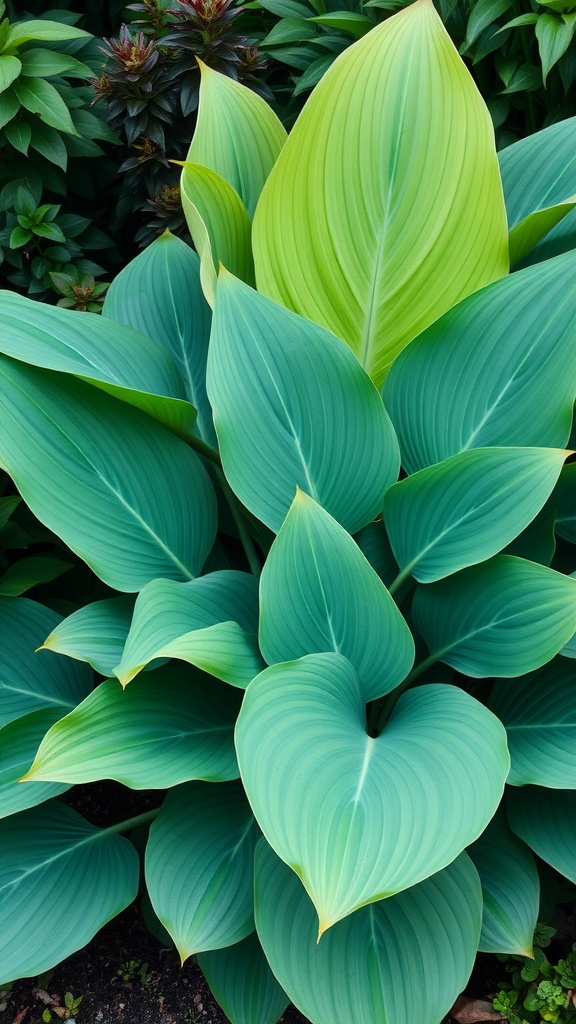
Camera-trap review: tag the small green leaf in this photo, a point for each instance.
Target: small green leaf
(19, 237)
(29, 572)
(39, 97)
(45, 63)
(50, 231)
(10, 68)
(50, 144)
(554, 36)
(347, 21)
(9, 106)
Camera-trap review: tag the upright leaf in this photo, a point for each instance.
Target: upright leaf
(240, 979)
(126, 495)
(360, 818)
(318, 593)
(358, 971)
(398, 123)
(292, 407)
(510, 348)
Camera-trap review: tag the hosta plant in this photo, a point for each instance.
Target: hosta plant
(321, 467)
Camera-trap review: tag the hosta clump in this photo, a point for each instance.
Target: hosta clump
(326, 508)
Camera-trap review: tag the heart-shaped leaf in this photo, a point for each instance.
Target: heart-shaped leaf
(200, 866)
(504, 617)
(318, 593)
(358, 971)
(173, 726)
(360, 818)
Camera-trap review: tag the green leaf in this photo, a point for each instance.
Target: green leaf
(504, 617)
(397, 121)
(292, 407)
(43, 30)
(122, 492)
(219, 224)
(115, 358)
(360, 818)
(19, 134)
(525, 235)
(10, 68)
(241, 981)
(289, 30)
(173, 726)
(96, 633)
(347, 21)
(8, 505)
(540, 719)
(29, 572)
(200, 866)
(19, 742)
(483, 14)
(564, 500)
(50, 231)
(9, 106)
(159, 294)
(546, 820)
(39, 97)
(511, 349)
(249, 137)
(554, 36)
(374, 544)
(510, 890)
(19, 237)
(61, 880)
(211, 623)
(44, 63)
(466, 509)
(50, 144)
(368, 963)
(29, 681)
(318, 593)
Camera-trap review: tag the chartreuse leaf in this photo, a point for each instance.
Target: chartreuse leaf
(360, 818)
(211, 623)
(159, 294)
(175, 725)
(126, 495)
(510, 890)
(564, 500)
(96, 633)
(318, 593)
(249, 137)
(539, 715)
(114, 358)
(546, 820)
(240, 979)
(219, 224)
(466, 509)
(46, 31)
(61, 880)
(19, 742)
(358, 971)
(511, 349)
(293, 407)
(200, 866)
(34, 682)
(398, 122)
(504, 617)
(539, 180)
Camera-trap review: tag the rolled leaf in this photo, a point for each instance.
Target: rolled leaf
(398, 123)
(360, 818)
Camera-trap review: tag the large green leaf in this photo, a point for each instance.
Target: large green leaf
(126, 495)
(546, 820)
(158, 293)
(539, 715)
(249, 137)
(318, 593)
(200, 866)
(173, 726)
(498, 369)
(364, 969)
(219, 225)
(61, 880)
(360, 818)
(385, 206)
(115, 358)
(241, 980)
(510, 890)
(504, 617)
(44, 30)
(293, 407)
(96, 633)
(40, 97)
(34, 682)
(467, 508)
(211, 623)
(19, 742)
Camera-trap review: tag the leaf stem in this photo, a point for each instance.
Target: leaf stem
(245, 538)
(130, 823)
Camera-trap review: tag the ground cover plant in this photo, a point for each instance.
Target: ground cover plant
(322, 470)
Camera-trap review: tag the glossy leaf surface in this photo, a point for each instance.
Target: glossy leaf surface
(318, 593)
(357, 818)
(292, 407)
